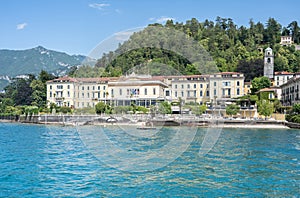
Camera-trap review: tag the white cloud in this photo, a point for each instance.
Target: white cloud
(99, 6)
(161, 19)
(21, 26)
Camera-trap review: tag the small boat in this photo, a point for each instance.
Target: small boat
(145, 128)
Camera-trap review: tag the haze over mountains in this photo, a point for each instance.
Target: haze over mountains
(31, 61)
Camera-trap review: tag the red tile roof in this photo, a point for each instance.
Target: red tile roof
(283, 73)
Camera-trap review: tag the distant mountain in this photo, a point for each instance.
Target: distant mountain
(31, 61)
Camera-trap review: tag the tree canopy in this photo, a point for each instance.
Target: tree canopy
(232, 47)
(259, 83)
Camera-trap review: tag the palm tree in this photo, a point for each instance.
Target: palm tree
(294, 28)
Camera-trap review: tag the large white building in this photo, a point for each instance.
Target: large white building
(286, 40)
(282, 77)
(290, 91)
(144, 90)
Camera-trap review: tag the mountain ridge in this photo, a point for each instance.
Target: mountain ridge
(15, 63)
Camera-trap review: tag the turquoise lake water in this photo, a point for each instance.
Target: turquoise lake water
(52, 161)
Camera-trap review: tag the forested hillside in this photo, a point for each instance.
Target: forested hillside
(232, 47)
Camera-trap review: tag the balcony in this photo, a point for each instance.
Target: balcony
(59, 98)
(226, 96)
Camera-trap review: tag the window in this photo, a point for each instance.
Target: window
(167, 93)
(82, 88)
(154, 91)
(50, 86)
(93, 95)
(88, 88)
(88, 95)
(175, 86)
(238, 91)
(59, 86)
(238, 83)
(188, 86)
(145, 91)
(215, 92)
(68, 94)
(182, 94)
(225, 84)
(215, 84)
(277, 77)
(98, 94)
(194, 93)
(120, 92)
(207, 93)
(229, 92)
(50, 94)
(182, 86)
(201, 93)
(98, 87)
(104, 87)
(82, 104)
(175, 93)
(68, 86)
(112, 92)
(188, 94)
(201, 86)
(93, 87)
(82, 95)
(195, 86)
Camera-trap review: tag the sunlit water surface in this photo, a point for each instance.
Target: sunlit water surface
(52, 161)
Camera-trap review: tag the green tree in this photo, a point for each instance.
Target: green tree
(20, 91)
(101, 107)
(232, 109)
(38, 95)
(265, 108)
(164, 108)
(295, 29)
(44, 76)
(251, 69)
(259, 83)
(296, 108)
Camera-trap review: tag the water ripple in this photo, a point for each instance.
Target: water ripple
(38, 161)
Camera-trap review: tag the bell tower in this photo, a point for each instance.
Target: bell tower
(269, 63)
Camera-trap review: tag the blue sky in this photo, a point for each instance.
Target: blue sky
(78, 26)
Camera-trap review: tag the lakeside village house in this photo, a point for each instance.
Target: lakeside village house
(218, 89)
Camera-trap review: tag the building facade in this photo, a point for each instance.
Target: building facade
(282, 77)
(286, 40)
(290, 91)
(144, 90)
(226, 85)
